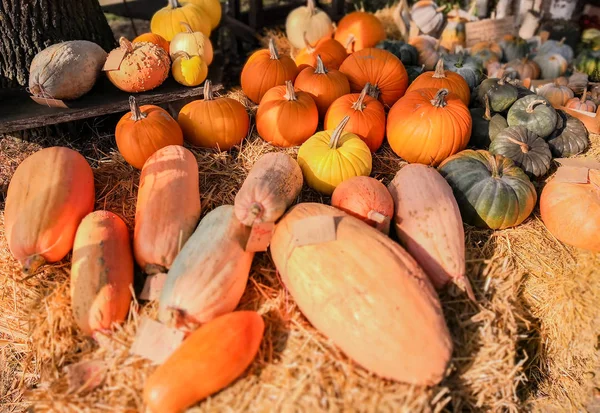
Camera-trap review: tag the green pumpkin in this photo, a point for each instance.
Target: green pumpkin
(480, 137)
(497, 124)
(569, 138)
(589, 63)
(535, 113)
(465, 66)
(514, 47)
(501, 93)
(527, 150)
(407, 54)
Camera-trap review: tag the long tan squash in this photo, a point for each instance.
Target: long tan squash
(101, 272)
(168, 207)
(209, 275)
(367, 294)
(272, 185)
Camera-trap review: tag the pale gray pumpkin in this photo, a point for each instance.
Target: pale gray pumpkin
(535, 113)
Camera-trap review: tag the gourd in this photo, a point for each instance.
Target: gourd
(428, 223)
(514, 47)
(143, 131)
(209, 275)
(268, 66)
(491, 191)
(481, 117)
(500, 93)
(486, 52)
(189, 70)
(144, 67)
(307, 24)
(166, 22)
(571, 212)
(364, 275)
(583, 103)
(556, 94)
(214, 122)
(569, 138)
(497, 124)
(428, 142)
(286, 117)
(588, 62)
(367, 117)
(101, 272)
(359, 30)
(550, 47)
(203, 364)
(527, 150)
(384, 71)
(427, 16)
(328, 158)
(154, 38)
(454, 34)
(48, 196)
(441, 79)
(273, 184)
(551, 66)
(578, 82)
(525, 68)
(535, 113)
(323, 85)
(465, 66)
(408, 55)
(194, 43)
(167, 209)
(331, 51)
(429, 50)
(212, 8)
(66, 70)
(366, 199)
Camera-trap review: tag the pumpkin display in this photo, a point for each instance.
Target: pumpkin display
(481, 117)
(154, 38)
(66, 70)
(212, 8)
(367, 117)
(143, 131)
(194, 43)
(166, 22)
(214, 122)
(550, 47)
(331, 52)
(514, 47)
(307, 24)
(366, 199)
(569, 138)
(551, 66)
(527, 150)
(500, 93)
(189, 70)
(571, 211)
(486, 52)
(535, 113)
(167, 209)
(439, 79)
(144, 67)
(384, 71)
(101, 272)
(49, 194)
(524, 68)
(268, 66)
(429, 50)
(491, 191)
(359, 30)
(364, 275)
(555, 93)
(588, 62)
(465, 66)
(286, 117)
(209, 275)
(408, 55)
(273, 184)
(203, 364)
(427, 16)
(428, 142)
(328, 158)
(428, 223)
(583, 103)
(323, 85)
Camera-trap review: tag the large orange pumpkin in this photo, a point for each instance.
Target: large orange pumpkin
(266, 69)
(367, 117)
(428, 125)
(153, 38)
(443, 79)
(48, 196)
(331, 51)
(286, 117)
(384, 71)
(359, 30)
(214, 122)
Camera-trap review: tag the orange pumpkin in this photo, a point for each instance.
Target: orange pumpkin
(153, 38)
(359, 30)
(145, 130)
(384, 71)
(323, 85)
(286, 117)
(439, 79)
(214, 122)
(367, 117)
(428, 125)
(266, 69)
(331, 51)
(583, 103)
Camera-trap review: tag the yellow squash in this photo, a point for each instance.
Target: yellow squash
(167, 21)
(189, 70)
(212, 8)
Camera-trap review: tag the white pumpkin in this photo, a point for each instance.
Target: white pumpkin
(427, 16)
(193, 43)
(309, 20)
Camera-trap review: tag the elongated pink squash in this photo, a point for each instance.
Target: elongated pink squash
(367, 294)
(272, 185)
(428, 222)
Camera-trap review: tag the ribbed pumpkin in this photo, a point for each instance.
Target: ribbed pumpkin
(143, 131)
(429, 50)
(286, 117)
(491, 191)
(551, 66)
(527, 150)
(556, 94)
(214, 122)
(367, 117)
(384, 71)
(266, 69)
(189, 70)
(166, 22)
(48, 196)
(307, 24)
(212, 8)
(583, 103)
(525, 68)
(193, 43)
(328, 158)
(535, 113)
(323, 85)
(154, 38)
(331, 51)
(428, 142)
(359, 30)
(439, 79)
(570, 136)
(500, 92)
(465, 66)
(364, 275)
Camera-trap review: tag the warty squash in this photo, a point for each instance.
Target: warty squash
(167, 21)
(359, 30)
(439, 78)
(307, 24)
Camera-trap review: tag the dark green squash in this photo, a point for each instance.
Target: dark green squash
(497, 124)
(569, 138)
(514, 47)
(491, 191)
(501, 93)
(527, 150)
(465, 66)
(480, 137)
(407, 54)
(414, 72)
(535, 113)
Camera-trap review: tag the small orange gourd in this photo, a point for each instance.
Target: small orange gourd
(331, 51)
(583, 103)
(439, 79)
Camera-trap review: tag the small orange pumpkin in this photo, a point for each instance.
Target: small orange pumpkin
(439, 79)
(584, 104)
(153, 38)
(359, 30)
(331, 51)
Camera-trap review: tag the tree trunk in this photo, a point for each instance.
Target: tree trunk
(29, 26)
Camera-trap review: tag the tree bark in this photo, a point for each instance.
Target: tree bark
(29, 26)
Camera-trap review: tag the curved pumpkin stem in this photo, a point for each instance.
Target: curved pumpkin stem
(186, 26)
(153, 269)
(533, 104)
(136, 113)
(562, 41)
(273, 50)
(321, 69)
(439, 70)
(32, 263)
(208, 92)
(439, 100)
(125, 44)
(337, 133)
(359, 105)
(290, 93)
(584, 96)
(174, 4)
(488, 113)
(524, 147)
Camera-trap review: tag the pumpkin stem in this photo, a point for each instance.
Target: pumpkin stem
(273, 50)
(461, 61)
(350, 41)
(174, 4)
(186, 26)
(439, 100)
(439, 70)
(290, 93)
(359, 105)
(310, 49)
(374, 91)
(181, 53)
(562, 41)
(153, 269)
(524, 147)
(320, 70)
(494, 166)
(136, 113)
(337, 133)
(488, 113)
(584, 96)
(311, 7)
(256, 211)
(533, 104)
(32, 263)
(376, 216)
(208, 92)
(125, 44)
